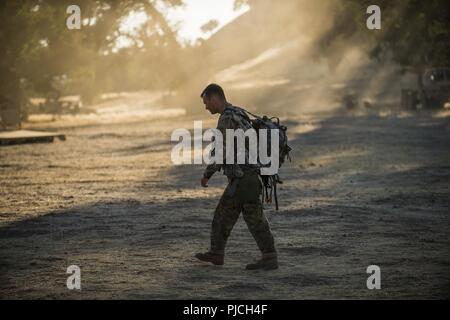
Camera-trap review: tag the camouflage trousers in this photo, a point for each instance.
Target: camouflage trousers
(246, 198)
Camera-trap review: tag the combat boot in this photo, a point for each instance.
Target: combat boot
(214, 258)
(267, 262)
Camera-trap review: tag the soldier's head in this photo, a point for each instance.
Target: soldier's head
(214, 98)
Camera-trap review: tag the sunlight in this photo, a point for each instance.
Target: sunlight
(188, 19)
(133, 21)
(196, 13)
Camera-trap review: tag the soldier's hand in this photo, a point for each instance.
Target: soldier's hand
(204, 182)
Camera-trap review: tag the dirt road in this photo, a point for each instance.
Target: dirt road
(360, 190)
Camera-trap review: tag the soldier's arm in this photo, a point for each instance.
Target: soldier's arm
(225, 122)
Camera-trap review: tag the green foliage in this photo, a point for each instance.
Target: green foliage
(415, 33)
(41, 55)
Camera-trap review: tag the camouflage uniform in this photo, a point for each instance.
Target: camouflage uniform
(243, 194)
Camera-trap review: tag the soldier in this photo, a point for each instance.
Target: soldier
(242, 194)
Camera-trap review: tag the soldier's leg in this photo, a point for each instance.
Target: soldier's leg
(249, 192)
(259, 227)
(225, 217)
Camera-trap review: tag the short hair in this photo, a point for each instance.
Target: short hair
(212, 89)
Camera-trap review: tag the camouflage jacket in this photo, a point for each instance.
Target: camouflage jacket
(231, 118)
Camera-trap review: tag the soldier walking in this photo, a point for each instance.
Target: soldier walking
(242, 194)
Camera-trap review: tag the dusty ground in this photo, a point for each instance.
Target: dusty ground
(360, 190)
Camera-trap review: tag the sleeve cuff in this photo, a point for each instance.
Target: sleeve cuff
(207, 175)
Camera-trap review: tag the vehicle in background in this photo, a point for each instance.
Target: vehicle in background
(54, 104)
(433, 92)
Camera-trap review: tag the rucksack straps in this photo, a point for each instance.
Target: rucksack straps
(269, 182)
(270, 188)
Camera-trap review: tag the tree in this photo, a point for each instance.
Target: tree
(209, 26)
(39, 53)
(415, 33)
